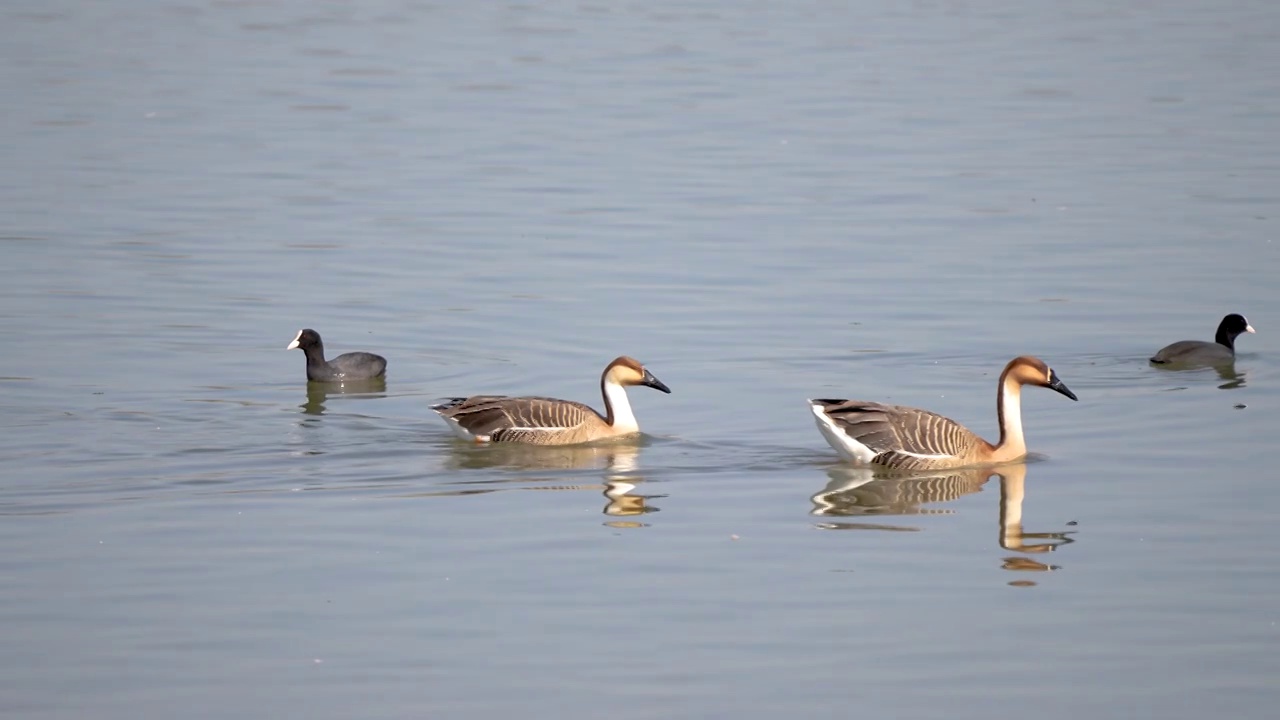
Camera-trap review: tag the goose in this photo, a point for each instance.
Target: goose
(548, 421)
(351, 366)
(1221, 350)
(907, 438)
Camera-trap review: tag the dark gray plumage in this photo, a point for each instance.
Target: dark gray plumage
(347, 367)
(1198, 352)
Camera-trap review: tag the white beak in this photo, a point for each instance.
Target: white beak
(1248, 328)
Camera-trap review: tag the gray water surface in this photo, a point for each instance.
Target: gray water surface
(763, 203)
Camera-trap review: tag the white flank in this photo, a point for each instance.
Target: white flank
(848, 447)
(463, 433)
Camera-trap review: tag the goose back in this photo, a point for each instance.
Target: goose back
(896, 436)
(532, 420)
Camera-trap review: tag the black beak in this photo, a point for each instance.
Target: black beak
(653, 382)
(1056, 384)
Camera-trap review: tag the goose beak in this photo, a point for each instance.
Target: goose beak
(650, 381)
(1058, 385)
(1248, 328)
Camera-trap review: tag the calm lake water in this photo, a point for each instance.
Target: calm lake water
(763, 202)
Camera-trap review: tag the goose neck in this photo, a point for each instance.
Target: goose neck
(617, 407)
(1009, 413)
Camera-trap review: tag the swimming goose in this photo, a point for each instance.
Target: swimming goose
(547, 421)
(906, 438)
(1221, 350)
(351, 366)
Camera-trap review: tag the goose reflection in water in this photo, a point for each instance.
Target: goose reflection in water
(861, 492)
(320, 393)
(617, 461)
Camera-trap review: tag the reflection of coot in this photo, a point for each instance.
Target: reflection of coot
(319, 393)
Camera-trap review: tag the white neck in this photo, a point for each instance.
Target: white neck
(1011, 439)
(617, 404)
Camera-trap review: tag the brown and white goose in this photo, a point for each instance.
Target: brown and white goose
(548, 421)
(907, 438)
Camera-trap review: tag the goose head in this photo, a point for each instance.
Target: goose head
(1028, 370)
(628, 371)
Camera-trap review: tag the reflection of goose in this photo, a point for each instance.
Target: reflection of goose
(865, 491)
(622, 503)
(617, 461)
(907, 438)
(855, 491)
(1012, 490)
(319, 393)
(619, 457)
(547, 421)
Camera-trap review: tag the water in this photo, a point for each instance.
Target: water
(761, 202)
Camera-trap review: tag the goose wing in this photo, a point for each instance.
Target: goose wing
(898, 436)
(514, 419)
